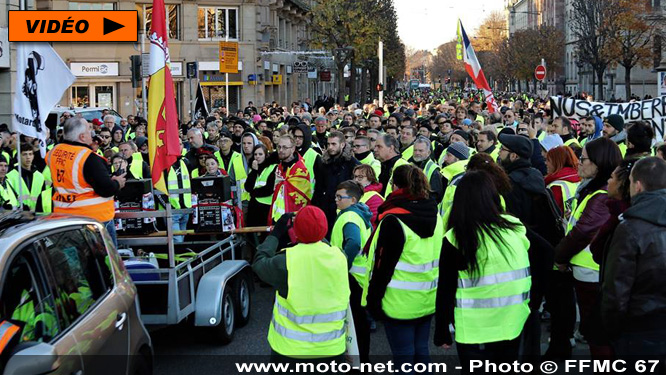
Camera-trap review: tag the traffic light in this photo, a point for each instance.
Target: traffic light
(135, 66)
(380, 87)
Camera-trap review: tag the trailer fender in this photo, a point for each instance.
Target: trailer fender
(208, 305)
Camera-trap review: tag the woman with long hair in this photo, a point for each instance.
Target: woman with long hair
(260, 185)
(403, 255)
(485, 278)
(562, 178)
(599, 159)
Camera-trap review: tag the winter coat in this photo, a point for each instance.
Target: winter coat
(633, 292)
(336, 170)
(596, 213)
(374, 202)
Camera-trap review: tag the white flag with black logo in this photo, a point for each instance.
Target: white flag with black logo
(200, 107)
(41, 79)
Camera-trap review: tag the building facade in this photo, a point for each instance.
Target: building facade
(271, 36)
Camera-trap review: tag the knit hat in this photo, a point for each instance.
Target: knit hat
(310, 225)
(459, 150)
(616, 121)
(517, 144)
(256, 119)
(140, 141)
(467, 122)
(549, 142)
(463, 134)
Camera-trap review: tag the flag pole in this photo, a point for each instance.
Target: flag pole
(226, 79)
(20, 175)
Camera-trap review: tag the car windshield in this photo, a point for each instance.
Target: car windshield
(90, 115)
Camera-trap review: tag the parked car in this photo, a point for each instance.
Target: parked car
(63, 284)
(88, 113)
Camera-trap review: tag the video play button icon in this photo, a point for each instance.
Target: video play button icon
(111, 26)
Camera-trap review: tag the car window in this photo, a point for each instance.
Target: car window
(26, 302)
(99, 253)
(75, 274)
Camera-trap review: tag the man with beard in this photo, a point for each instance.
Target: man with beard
(339, 164)
(237, 127)
(311, 159)
(196, 141)
(105, 136)
(292, 180)
(374, 122)
(421, 158)
(614, 129)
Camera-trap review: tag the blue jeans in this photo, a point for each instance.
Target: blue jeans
(409, 340)
(111, 228)
(179, 222)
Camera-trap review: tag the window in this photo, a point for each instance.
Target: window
(91, 6)
(99, 252)
(76, 274)
(217, 23)
(172, 12)
(26, 302)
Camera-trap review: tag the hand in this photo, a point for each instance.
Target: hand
(120, 179)
(562, 267)
(531, 130)
(282, 225)
(255, 165)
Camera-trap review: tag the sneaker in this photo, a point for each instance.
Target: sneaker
(545, 315)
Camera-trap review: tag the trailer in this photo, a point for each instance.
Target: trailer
(200, 281)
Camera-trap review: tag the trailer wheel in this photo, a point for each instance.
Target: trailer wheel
(243, 294)
(225, 328)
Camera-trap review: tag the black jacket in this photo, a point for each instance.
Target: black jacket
(336, 170)
(387, 172)
(318, 167)
(633, 288)
(531, 202)
(451, 261)
(422, 219)
(436, 184)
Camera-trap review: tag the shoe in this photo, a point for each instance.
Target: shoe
(545, 315)
(579, 337)
(373, 326)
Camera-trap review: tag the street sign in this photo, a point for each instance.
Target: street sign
(277, 79)
(228, 57)
(300, 67)
(540, 72)
(325, 76)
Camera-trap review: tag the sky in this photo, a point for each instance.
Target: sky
(426, 24)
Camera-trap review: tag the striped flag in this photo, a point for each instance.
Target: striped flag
(465, 52)
(163, 144)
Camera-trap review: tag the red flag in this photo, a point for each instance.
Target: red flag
(163, 144)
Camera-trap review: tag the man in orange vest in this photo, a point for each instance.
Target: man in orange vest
(81, 182)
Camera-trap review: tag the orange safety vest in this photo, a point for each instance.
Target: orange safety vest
(73, 194)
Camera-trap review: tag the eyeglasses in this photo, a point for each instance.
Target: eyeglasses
(105, 136)
(441, 123)
(504, 149)
(341, 197)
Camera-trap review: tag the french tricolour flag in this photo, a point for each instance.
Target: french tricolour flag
(465, 52)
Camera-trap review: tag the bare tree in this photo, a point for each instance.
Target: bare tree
(592, 24)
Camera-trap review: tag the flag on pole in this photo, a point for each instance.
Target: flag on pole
(41, 80)
(200, 107)
(163, 144)
(473, 66)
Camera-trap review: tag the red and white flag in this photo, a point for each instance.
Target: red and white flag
(465, 52)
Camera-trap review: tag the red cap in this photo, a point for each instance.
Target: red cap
(96, 121)
(379, 112)
(310, 225)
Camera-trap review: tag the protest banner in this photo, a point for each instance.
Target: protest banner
(652, 110)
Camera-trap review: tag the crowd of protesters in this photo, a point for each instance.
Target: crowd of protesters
(522, 216)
